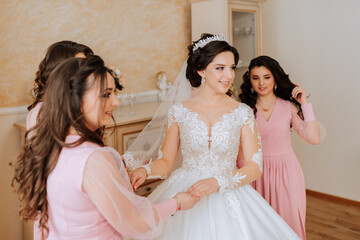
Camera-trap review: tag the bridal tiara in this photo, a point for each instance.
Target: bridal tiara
(203, 42)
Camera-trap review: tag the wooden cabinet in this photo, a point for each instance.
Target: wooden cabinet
(240, 21)
(126, 134)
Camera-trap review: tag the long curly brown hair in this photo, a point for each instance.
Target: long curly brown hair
(43, 143)
(55, 54)
(282, 80)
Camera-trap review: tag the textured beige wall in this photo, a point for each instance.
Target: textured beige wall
(141, 37)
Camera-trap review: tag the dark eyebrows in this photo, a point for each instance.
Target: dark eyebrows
(107, 89)
(222, 65)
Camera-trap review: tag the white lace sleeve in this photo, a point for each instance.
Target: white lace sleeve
(251, 148)
(167, 152)
(171, 116)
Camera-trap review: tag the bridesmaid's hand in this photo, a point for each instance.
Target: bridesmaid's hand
(299, 94)
(204, 187)
(185, 201)
(137, 177)
(123, 160)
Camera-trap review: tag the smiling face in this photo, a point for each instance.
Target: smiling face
(220, 73)
(262, 81)
(98, 106)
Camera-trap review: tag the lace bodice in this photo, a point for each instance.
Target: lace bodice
(215, 155)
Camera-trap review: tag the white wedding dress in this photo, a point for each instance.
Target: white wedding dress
(238, 213)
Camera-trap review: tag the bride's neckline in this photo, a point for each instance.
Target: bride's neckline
(211, 127)
(222, 116)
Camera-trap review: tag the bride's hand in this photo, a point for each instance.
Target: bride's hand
(137, 177)
(185, 201)
(204, 187)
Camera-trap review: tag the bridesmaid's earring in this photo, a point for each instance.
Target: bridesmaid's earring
(275, 86)
(251, 90)
(202, 81)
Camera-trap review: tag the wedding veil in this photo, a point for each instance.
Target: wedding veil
(147, 145)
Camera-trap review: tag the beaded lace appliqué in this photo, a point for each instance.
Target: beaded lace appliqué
(219, 158)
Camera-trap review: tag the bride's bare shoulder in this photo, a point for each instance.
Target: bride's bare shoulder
(190, 102)
(233, 103)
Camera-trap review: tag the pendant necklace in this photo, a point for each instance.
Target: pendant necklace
(264, 108)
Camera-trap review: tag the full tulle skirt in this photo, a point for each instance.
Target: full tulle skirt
(241, 213)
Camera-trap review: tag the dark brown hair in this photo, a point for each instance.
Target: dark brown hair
(283, 89)
(201, 57)
(43, 143)
(55, 54)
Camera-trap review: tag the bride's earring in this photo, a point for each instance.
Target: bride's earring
(252, 90)
(202, 80)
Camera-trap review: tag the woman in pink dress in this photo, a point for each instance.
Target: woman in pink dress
(55, 54)
(280, 105)
(67, 180)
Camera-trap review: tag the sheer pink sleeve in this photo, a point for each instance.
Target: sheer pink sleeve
(37, 233)
(308, 129)
(107, 184)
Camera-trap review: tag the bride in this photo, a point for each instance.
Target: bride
(207, 129)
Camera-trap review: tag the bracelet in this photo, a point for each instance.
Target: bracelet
(147, 168)
(178, 203)
(148, 172)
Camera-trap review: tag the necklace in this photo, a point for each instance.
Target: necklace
(264, 108)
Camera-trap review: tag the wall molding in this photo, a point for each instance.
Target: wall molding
(141, 97)
(332, 198)
(13, 110)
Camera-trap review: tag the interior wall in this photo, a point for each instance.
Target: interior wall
(318, 44)
(141, 38)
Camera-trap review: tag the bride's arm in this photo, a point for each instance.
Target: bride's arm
(251, 150)
(252, 153)
(162, 166)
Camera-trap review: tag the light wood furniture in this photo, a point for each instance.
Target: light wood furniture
(129, 122)
(240, 21)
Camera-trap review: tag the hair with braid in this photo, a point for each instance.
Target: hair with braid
(55, 54)
(61, 109)
(284, 85)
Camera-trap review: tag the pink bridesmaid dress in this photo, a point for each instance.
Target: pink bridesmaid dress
(32, 115)
(109, 209)
(282, 183)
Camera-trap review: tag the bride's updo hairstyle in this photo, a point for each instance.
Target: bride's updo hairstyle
(202, 52)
